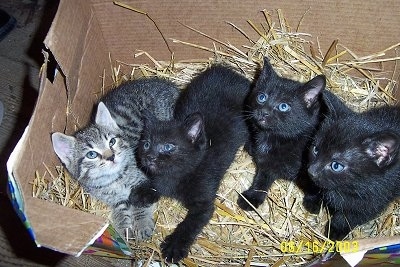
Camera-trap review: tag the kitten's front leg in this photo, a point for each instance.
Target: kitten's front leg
(143, 199)
(176, 246)
(121, 216)
(249, 147)
(257, 192)
(312, 203)
(143, 223)
(339, 227)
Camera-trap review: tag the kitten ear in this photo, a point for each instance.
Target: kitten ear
(194, 126)
(104, 118)
(267, 71)
(312, 89)
(335, 108)
(63, 145)
(382, 148)
(148, 118)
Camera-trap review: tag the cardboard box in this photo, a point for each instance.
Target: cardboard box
(85, 33)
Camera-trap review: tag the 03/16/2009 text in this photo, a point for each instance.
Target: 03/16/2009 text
(319, 247)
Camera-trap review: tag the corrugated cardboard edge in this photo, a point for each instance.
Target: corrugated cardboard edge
(56, 227)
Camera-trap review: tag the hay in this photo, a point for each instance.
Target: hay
(235, 237)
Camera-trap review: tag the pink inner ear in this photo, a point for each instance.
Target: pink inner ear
(382, 150)
(104, 118)
(383, 153)
(194, 130)
(63, 146)
(311, 95)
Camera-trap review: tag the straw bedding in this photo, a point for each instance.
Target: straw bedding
(235, 237)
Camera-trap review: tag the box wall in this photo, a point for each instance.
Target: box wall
(365, 27)
(74, 39)
(82, 36)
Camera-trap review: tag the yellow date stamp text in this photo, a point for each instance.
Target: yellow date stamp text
(316, 247)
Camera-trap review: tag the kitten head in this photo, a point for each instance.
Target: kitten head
(283, 106)
(96, 152)
(344, 156)
(172, 147)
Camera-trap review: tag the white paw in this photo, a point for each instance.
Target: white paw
(143, 229)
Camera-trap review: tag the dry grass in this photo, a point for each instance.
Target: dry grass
(235, 237)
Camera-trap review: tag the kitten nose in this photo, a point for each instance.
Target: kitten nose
(111, 158)
(265, 114)
(151, 157)
(109, 155)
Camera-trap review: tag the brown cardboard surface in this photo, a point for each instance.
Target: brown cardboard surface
(66, 38)
(61, 228)
(57, 227)
(363, 26)
(49, 111)
(84, 32)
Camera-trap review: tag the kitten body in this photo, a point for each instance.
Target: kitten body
(187, 157)
(355, 163)
(283, 117)
(101, 156)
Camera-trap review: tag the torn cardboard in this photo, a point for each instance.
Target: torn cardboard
(85, 33)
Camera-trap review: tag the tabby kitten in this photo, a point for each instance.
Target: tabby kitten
(355, 163)
(283, 116)
(101, 156)
(186, 157)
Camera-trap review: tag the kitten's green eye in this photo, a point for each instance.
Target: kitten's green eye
(261, 98)
(92, 155)
(112, 141)
(336, 166)
(168, 148)
(284, 107)
(146, 145)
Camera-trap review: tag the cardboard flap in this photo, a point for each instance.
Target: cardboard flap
(73, 38)
(61, 228)
(72, 233)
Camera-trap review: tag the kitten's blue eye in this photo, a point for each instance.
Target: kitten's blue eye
(283, 107)
(112, 141)
(168, 148)
(146, 145)
(336, 166)
(261, 98)
(92, 155)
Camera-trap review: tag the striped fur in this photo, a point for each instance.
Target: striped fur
(101, 156)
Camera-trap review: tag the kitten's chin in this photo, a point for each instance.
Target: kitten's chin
(151, 169)
(262, 124)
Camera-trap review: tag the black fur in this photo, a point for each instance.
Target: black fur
(363, 148)
(283, 115)
(187, 157)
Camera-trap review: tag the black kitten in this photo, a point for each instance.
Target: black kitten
(187, 157)
(355, 163)
(283, 117)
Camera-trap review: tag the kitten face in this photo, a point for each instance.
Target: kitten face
(96, 151)
(343, 158)
(169, 147)
(282, 106)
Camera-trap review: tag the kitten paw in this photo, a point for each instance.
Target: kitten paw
(312, 203)
(143, 230)
(174, 249)
(256, 198)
